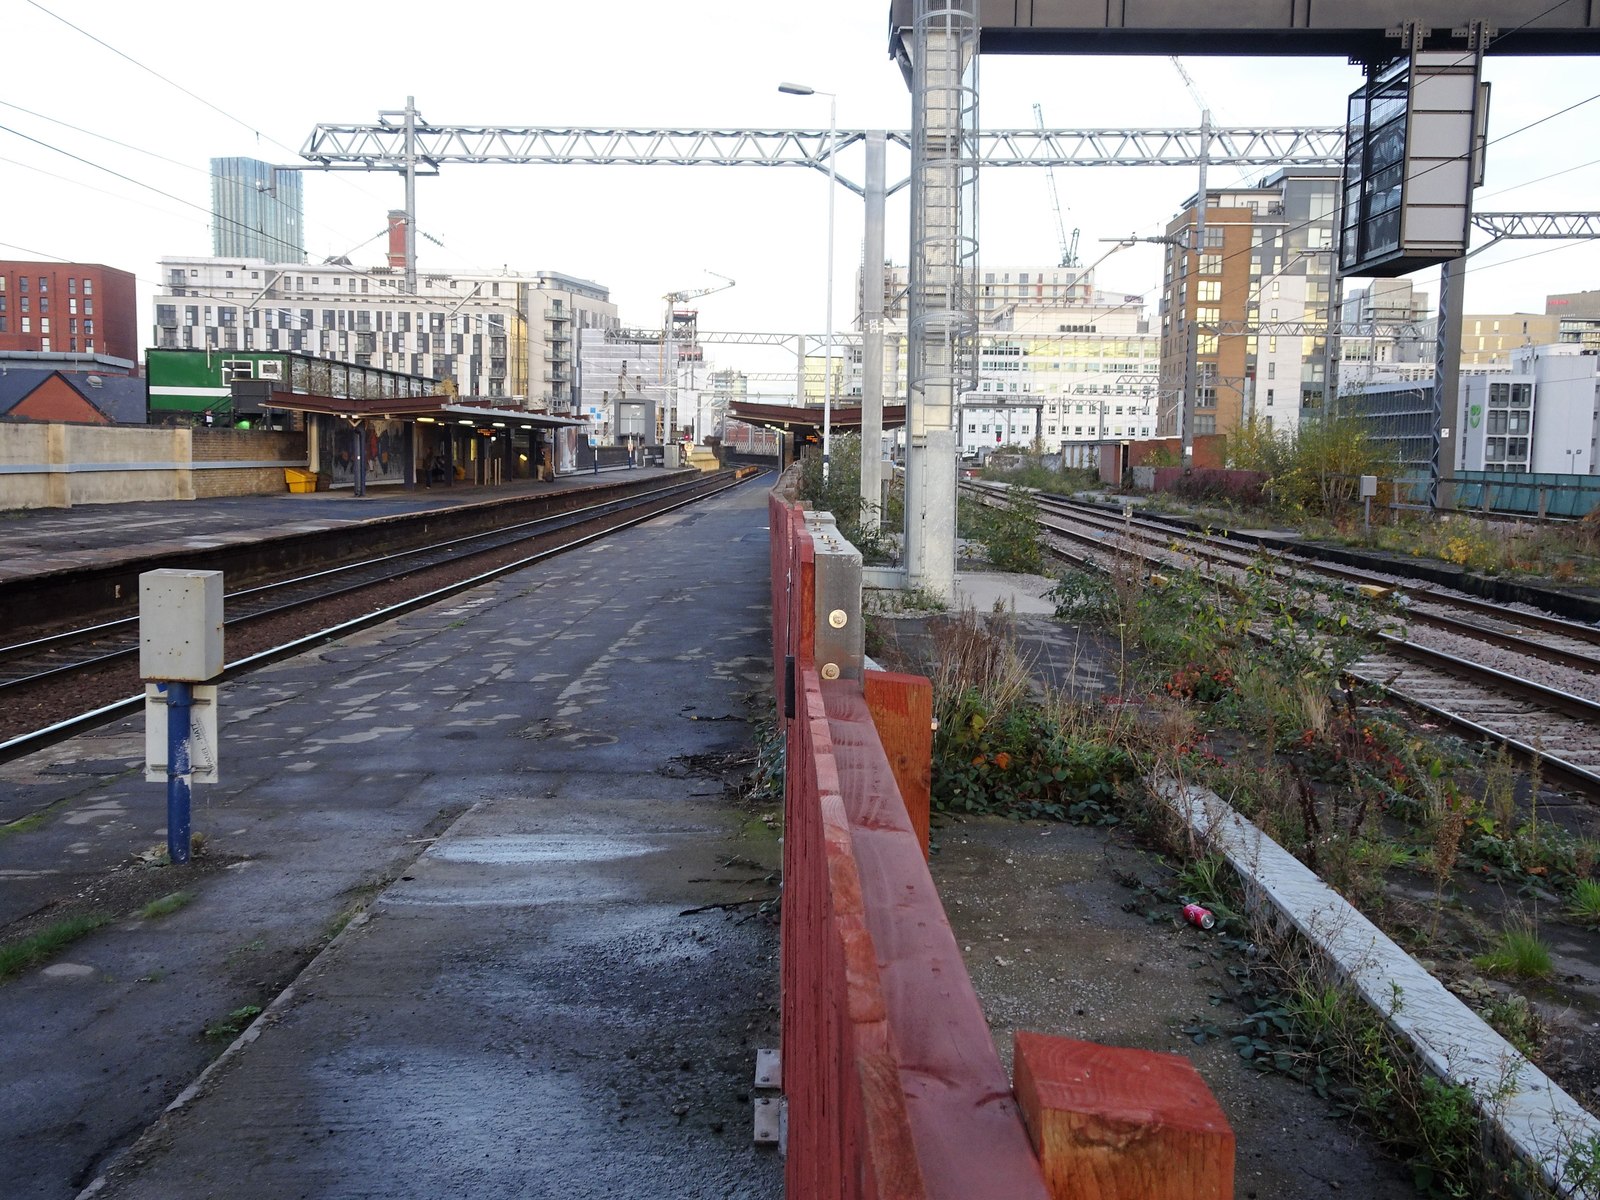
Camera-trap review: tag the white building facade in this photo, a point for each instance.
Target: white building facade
(1543, 417)
(1062, 376)
(506, 339)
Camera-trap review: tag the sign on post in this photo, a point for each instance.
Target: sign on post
(202, 733)
(180, 648)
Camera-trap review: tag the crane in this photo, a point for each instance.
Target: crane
(1069, 250)
(691, 293)
(670, 350)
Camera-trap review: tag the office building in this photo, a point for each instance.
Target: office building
(1577, 318)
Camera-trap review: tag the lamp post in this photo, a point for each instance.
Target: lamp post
(800, 89)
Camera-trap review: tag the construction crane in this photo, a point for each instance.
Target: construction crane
(690, 294)
(1069, 250)
(672, 346)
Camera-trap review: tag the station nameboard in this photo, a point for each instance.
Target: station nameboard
(1411, 164)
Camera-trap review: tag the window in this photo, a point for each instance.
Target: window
(88, 327)
(44, 285)
(44, 324)
(1210, 264)
(1209, 291)
(44, 304)
(88, 307)
(1272, 370)
(27, 303)
(1269, 397)
(72, 305)
(88, 287)
(1213, 239)
(72, 288)
(22, 284)
(27, 324)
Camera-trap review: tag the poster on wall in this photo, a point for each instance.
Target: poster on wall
(385, 449)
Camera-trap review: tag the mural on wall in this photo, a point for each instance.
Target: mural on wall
(385, 442)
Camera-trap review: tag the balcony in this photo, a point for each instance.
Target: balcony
(557, 314)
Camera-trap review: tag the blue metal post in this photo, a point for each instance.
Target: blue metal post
(179, 698)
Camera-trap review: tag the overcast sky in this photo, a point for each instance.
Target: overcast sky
(263, 75)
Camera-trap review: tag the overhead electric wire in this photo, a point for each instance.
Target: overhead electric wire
(173, 83)
(1540, 179)
(340, 234)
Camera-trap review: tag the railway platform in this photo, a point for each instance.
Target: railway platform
(552, 974)
(44, 541)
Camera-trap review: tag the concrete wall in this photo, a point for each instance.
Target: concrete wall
(59, 465)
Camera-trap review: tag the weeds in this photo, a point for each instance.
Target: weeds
(1518, 953)
(165, 906)
(32, 951)
(1583, 902)
(231, 1026)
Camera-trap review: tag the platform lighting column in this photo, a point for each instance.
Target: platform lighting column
(800, 89)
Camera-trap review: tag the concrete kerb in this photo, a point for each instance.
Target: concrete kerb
(1532, 1116)
(269, 1015)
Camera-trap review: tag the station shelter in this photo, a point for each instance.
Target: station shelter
(429, 441)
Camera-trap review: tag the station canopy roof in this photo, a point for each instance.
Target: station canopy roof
(439, 407)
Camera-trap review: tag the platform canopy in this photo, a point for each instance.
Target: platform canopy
(802, 419)
(401, 408)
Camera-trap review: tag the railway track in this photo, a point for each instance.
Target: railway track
(1541, 699)
(98, 663)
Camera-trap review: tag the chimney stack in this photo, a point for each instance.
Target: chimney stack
(397, 240)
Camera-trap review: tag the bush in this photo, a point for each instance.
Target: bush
(1315, 468)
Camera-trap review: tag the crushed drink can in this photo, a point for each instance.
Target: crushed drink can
(1198, 916)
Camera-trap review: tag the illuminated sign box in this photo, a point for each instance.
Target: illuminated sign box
(1410, 165)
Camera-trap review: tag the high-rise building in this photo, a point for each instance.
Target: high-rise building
(68, 308)
(501, 338)
(1255, 297)
(256, 211)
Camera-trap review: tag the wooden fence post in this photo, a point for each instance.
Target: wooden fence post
(902, 712)
(1110, 1123)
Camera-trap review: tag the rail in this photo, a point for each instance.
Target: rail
(893, 1085)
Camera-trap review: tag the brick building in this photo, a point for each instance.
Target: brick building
(68, 308)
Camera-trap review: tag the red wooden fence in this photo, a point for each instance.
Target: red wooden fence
(895, 1089)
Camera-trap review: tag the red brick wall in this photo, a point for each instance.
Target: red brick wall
(54, 400)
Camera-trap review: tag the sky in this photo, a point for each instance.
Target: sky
(183, 81)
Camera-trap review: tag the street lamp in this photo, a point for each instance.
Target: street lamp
(800, 89)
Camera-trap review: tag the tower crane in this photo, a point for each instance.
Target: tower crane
(1069, 250)
(669, 339)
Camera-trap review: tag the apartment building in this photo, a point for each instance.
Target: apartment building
(502, 338)
(53, 308)
(1255, 298)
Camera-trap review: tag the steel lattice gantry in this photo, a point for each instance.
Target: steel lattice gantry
(1546, 226)
(383, 147)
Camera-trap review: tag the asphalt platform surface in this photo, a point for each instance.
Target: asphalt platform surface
(41, 540)
(557, 978)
